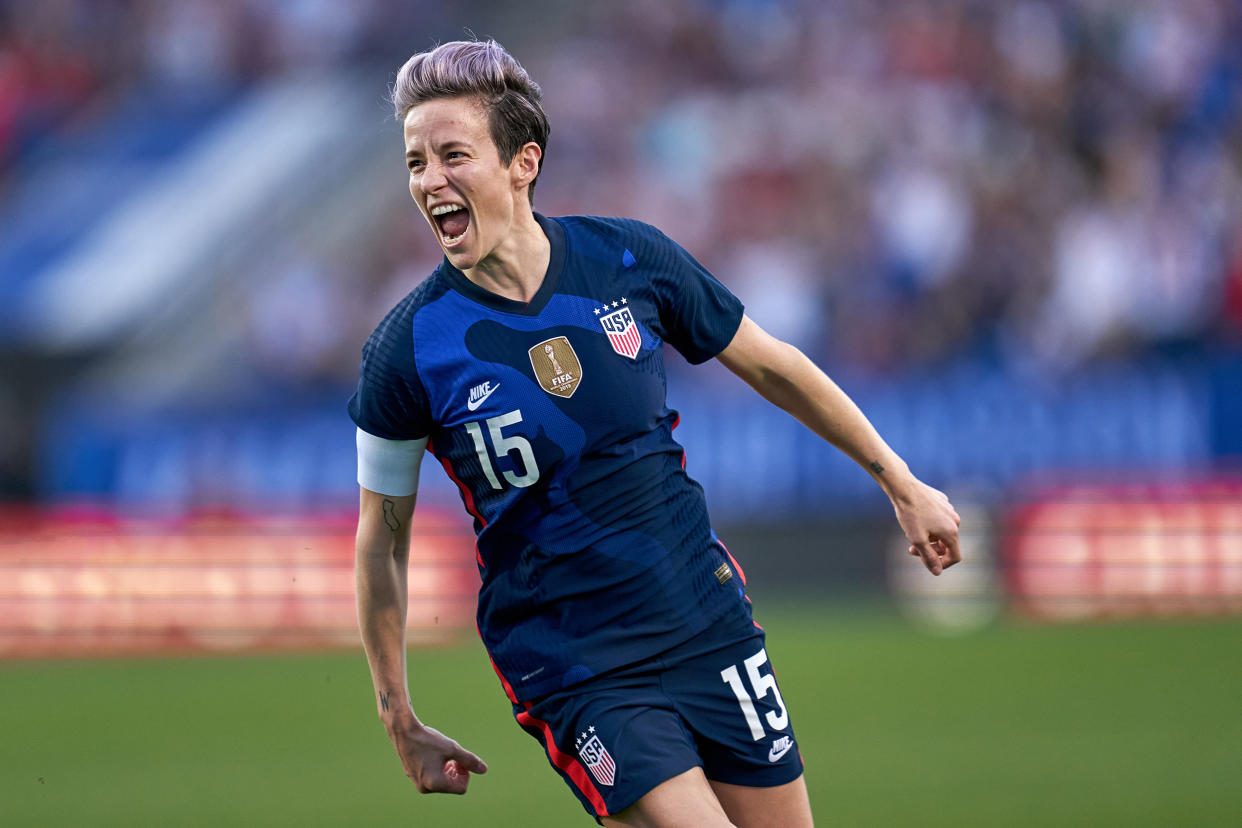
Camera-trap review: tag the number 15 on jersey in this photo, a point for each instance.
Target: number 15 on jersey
(504, 446)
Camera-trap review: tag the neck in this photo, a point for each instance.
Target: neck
(516, 268)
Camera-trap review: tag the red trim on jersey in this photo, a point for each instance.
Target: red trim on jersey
(466, 497)
(568, 765)
(676, 423)
(503, 681)
(740, 572)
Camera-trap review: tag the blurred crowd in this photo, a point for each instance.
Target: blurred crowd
(893, 183)
(63, 61)
(889, 184)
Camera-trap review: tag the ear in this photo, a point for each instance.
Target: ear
(525, 165)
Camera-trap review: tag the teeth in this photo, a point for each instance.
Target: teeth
(453, 239)
(444, 209)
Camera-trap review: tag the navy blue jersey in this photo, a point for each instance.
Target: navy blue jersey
(594, 545)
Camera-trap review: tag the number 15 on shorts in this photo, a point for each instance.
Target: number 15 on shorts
(762, 684)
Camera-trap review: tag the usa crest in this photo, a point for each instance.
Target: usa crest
(622, 332)
(556, 366)
(597, 759)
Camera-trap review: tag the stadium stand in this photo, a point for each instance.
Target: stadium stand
(1026, 215)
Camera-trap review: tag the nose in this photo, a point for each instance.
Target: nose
(433, 176)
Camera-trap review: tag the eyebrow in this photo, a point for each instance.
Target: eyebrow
(447, 145)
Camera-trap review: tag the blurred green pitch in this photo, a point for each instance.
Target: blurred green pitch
(1129, 725)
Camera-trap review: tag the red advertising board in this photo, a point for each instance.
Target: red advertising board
(1125, 551)
(77, 583)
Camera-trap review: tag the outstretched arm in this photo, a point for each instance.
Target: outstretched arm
(787, 378)
(382, 551)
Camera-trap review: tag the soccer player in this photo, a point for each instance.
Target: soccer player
(530, 364)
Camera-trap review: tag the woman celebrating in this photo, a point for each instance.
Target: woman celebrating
(530, 364)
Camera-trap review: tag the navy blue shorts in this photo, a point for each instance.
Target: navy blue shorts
(712, 703)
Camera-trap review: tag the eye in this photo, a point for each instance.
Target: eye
(453, 155)
(414, 164)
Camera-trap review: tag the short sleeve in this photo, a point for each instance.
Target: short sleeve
(390, 401)
(700, 315)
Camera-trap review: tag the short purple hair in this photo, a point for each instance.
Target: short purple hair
(483, 70)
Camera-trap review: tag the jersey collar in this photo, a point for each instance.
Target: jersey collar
(556, 263)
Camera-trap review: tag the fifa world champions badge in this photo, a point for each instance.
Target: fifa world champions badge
(556, 366)
(597, 758)
(622, 331)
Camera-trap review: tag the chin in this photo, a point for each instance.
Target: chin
(463, 260)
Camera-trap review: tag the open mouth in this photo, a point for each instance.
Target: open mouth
(452, 220)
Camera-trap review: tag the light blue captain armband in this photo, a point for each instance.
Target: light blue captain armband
(389, 467)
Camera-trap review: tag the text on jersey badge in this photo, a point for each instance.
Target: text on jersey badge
(556, 366)
(622, 330)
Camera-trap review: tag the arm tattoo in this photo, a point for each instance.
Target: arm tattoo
(390, 515)
(384, 697)
(875, 467)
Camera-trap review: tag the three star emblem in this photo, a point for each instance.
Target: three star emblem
(622, 301)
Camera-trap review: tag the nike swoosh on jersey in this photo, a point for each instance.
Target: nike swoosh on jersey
(775, 754)
(473, 404)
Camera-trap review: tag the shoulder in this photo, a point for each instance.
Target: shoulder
(390, 401)
(612, 231)
(611, 226)
(397, 324)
